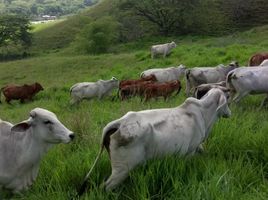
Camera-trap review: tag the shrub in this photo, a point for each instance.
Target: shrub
(99, 36)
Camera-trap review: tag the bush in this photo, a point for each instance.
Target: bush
(99, 36)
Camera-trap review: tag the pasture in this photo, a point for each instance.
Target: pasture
(233, 166)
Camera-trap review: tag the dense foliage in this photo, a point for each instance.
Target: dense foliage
(98, 36)
(35, 8)
(15, 37)
(191, 16)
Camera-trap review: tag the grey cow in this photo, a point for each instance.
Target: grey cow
(88, 90)
(139, 136)
(23, 145)
(247, 80)
(201, 75)
(166, 74)
(163, 49)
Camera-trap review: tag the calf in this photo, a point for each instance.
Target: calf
(161, 89)
(22, 93)
(139, 136)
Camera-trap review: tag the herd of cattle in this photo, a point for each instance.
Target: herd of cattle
(136, 136)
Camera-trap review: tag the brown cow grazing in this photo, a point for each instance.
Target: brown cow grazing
(257, 59)
(129, 91)
(131, 82)
(162, 89)
(133, 89)
(22, 93)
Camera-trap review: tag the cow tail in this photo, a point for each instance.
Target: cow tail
(84, 184)
(229, 83)
(107, 132)
(188, 83)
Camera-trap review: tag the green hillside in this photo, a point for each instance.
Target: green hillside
(59, 34)
(234, 163)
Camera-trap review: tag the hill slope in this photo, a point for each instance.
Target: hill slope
(234, 165)
(60, 34)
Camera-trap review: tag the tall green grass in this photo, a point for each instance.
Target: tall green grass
(233, 166)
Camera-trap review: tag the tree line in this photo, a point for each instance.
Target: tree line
(180, 17)
(35, 8)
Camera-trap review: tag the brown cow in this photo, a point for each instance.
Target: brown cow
(130, 90)
(22, 93)
(257, 59)
(136, 81)
(162, 89)
(134, 89)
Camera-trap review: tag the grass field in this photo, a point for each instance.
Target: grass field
(233, 166)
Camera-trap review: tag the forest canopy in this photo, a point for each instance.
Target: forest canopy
(36, 8)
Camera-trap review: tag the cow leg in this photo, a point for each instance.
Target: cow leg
(123, 160)
(264, 101)
(8, 100)
(239, 96)
(200, 149)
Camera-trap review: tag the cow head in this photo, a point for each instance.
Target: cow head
(114, 82)
(38, 87)
(223, 109)
(173, 44)
(45, 127)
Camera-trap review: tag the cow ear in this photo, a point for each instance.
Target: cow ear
(21, 127)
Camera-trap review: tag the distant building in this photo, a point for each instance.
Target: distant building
(48, 17)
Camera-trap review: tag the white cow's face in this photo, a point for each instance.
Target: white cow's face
(46, 127)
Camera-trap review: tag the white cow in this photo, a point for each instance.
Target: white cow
(247, 80)
(264, 63)
(166, 74)
(163, 49)
(139, 136)
(23, 145)
(88, 90)
(201, 75)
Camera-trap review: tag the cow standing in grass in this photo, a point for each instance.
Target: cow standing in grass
(138, 136)
(166, 74)
(22, 93)
(89, 90)
(163, 49)
(161, 89)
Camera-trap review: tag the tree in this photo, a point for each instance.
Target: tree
(14, 33)
(98, 36)
(167, 15)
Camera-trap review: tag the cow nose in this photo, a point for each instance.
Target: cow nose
(71, 136)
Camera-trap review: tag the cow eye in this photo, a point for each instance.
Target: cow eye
(48, 122)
